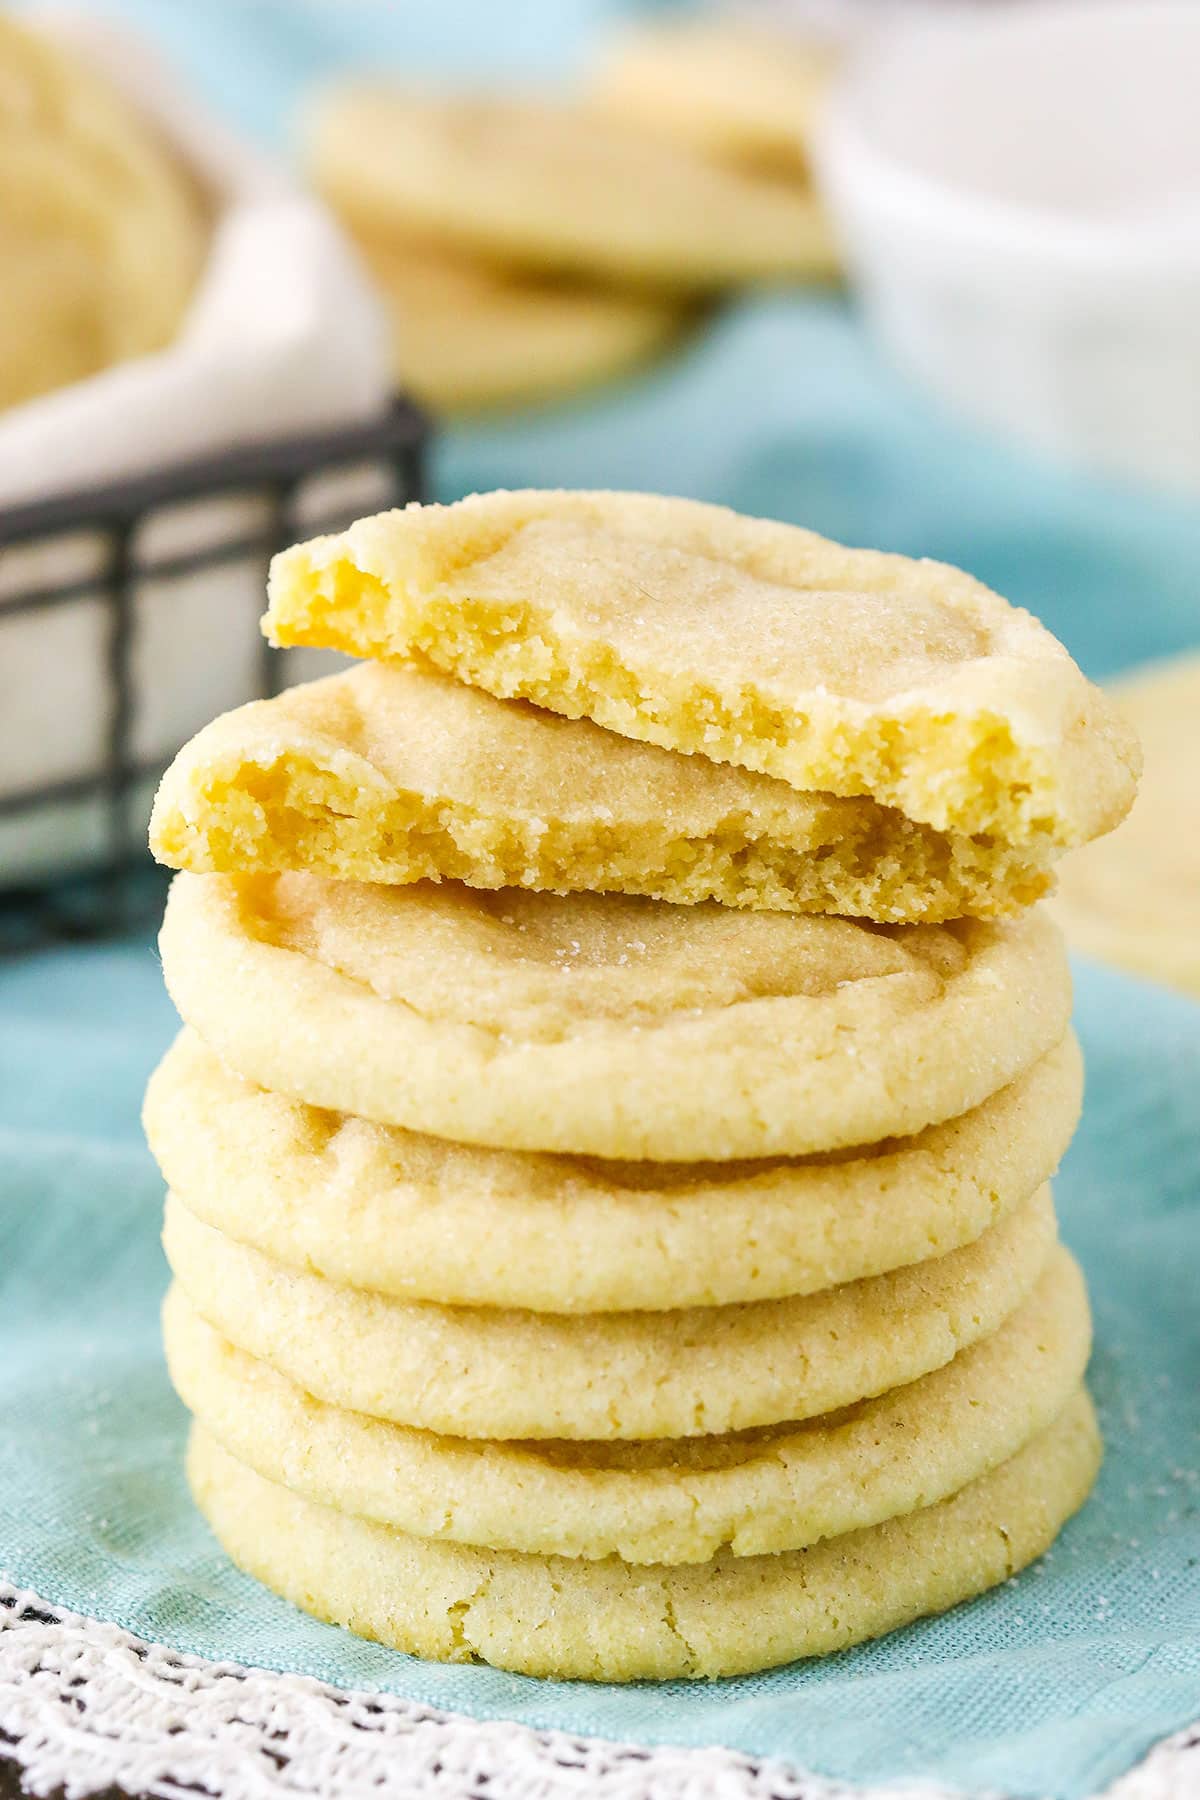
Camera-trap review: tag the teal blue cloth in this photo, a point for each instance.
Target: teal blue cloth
(1052, 1685)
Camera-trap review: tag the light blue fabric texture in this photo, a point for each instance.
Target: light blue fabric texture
(1052, 1685)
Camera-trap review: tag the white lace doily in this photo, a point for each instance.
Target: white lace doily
(85, 1706)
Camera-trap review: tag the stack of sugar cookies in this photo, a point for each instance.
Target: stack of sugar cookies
(524, 245)
(608, 1149)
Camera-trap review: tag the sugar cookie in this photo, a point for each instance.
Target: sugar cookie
(668, 1501)
(419, 1218)
(102, 233)
(1135, 899)
(607, 1025)
(605, 1621)
(538, 184)
(493, 1373)
(466, 335)
(398, 774)
(746, 96)
(747, 641)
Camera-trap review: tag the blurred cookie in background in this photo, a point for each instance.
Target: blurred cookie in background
(733, 92)
(1134, 898)
(542, 185)
(467, 335)
(526, 247)
(102, 232)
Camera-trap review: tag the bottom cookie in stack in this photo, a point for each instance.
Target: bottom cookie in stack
(610, 1620)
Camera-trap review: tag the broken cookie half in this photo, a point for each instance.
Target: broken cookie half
(396, 775)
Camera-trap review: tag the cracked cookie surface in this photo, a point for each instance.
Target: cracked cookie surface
(608, 1621)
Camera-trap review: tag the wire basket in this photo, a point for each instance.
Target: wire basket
(116, 588)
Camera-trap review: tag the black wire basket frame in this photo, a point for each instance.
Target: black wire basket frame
(272, 469)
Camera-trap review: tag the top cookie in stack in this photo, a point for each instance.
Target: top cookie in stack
(934, 748)
(457, 1168)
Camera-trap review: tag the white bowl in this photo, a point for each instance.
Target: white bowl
(1017, 192)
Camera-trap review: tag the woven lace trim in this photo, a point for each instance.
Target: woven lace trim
(85, 1705)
